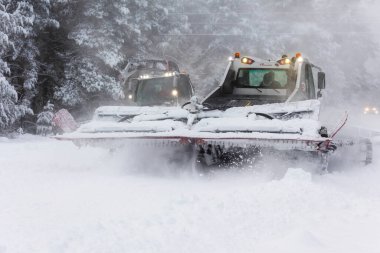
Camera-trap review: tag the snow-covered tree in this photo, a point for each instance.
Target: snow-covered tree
(21, 21)
(8, 99)
(105, 36)
(16, 20)
(84, 83)
(45, 120)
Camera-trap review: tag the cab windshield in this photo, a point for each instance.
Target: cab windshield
(162, 91)
(265, 78)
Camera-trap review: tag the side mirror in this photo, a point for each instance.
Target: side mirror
(321, 80)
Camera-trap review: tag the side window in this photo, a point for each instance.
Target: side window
(184, 87)
(310, 88)
(315, 76)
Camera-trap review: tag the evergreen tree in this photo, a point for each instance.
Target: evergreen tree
(45, 120)
(16, 20)
(21, 21)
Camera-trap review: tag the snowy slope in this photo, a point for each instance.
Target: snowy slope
(57, 198)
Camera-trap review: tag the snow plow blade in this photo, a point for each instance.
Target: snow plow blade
(115, 127)
(226, 141)
(214, 136)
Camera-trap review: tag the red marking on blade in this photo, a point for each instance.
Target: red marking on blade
(184, 140)
(199, 141)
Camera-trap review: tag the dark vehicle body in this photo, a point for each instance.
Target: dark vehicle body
(155, 83)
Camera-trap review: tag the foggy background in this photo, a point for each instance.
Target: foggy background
(70, 52)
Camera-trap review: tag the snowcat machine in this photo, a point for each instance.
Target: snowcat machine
(155, 83)
(259, 106)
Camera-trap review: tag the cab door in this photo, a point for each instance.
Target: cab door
(306, 88)
(309, 82)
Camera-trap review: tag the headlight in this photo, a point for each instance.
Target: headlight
(174, 93)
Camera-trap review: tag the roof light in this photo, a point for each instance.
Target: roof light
(169, 74)
(237, 55)
(144, 77)
(247, 60)
(230, 58)
(284, 61)
(299, 57)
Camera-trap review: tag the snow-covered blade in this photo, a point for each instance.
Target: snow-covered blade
(293, 126)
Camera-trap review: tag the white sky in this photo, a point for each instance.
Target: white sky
(371, 14)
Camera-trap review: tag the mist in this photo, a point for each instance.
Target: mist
(70, 53)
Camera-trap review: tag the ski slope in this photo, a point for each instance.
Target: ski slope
(55, 197)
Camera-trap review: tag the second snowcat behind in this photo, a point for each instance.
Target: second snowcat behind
(155, 83)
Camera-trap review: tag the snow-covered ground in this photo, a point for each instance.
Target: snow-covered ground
(55, 197)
